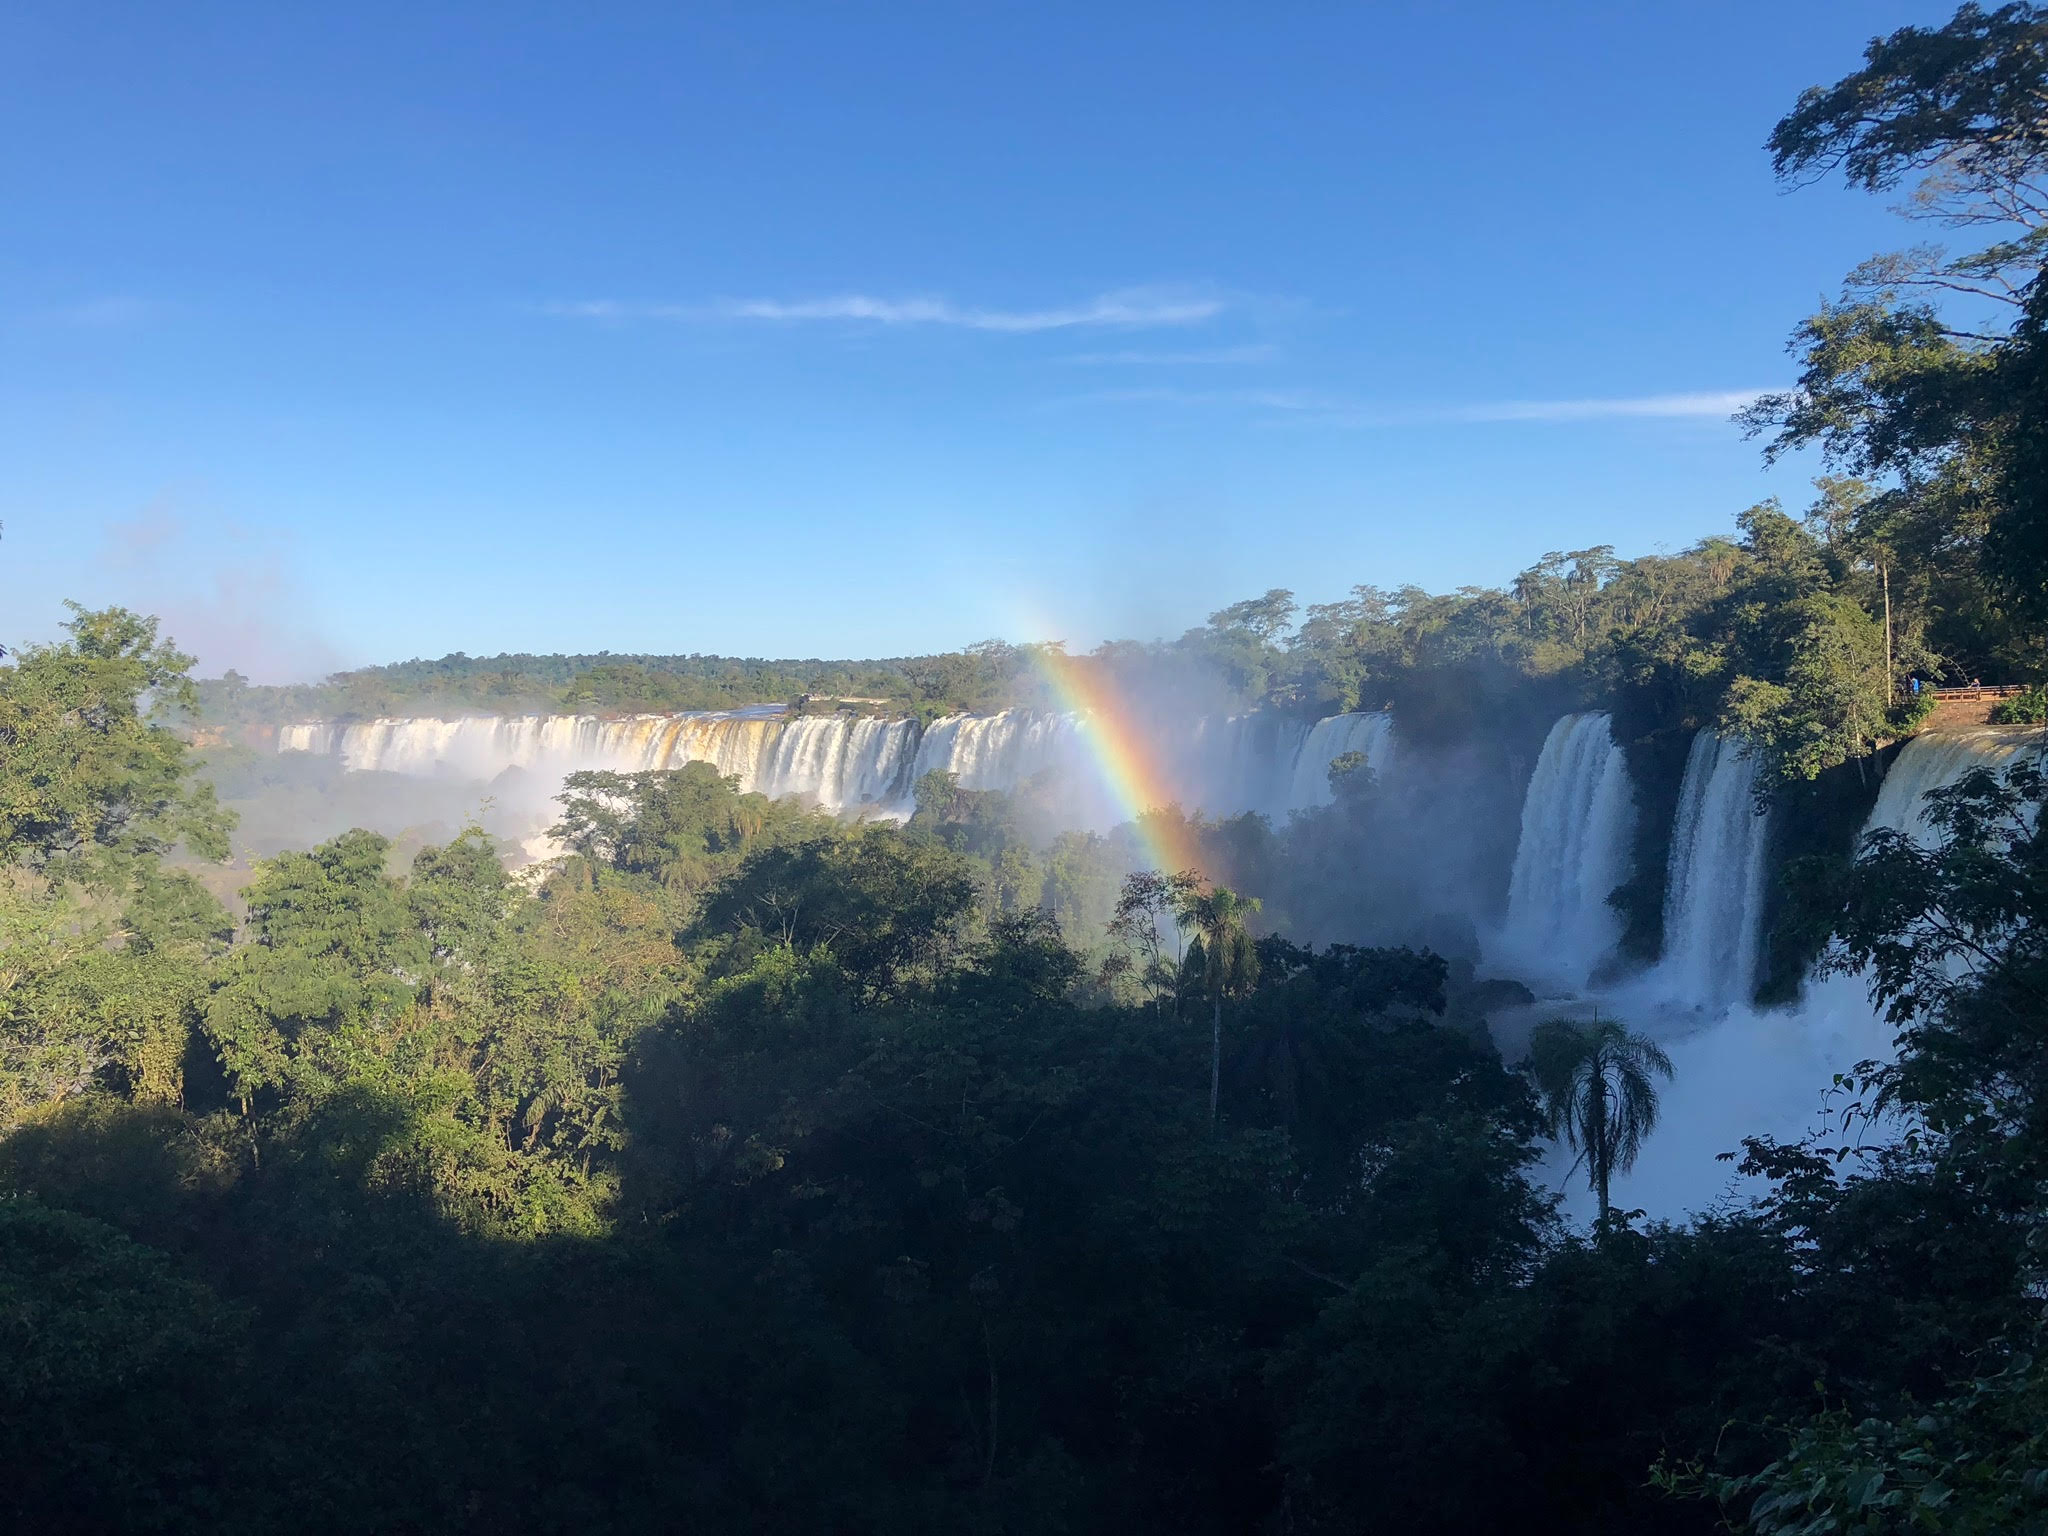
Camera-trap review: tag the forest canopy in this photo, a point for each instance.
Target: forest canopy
(739, 1167)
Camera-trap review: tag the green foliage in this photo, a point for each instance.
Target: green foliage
(685, 825)
(85, 775)
(106, 1355)
(886, 909)
(1833, 704)
(2027, 708)
(103, 952)
(1973, 1465)
(1222, 962)
(610, 684)
(1889, 385)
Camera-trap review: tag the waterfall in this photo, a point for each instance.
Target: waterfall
(1752, 1072)
(1713, 900)
(1237, 763)
(1578, 820)
(843, 762)
(1223, 765)
(1937, 759)
(1370, 734)
(1000, 751)
(312, 736)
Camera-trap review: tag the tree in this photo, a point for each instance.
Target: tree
(1264, 618)
(1224, 962)
(1890, 384)
(1595, 1083)
(335, 957)
(86, 775)
(1148, 905)
(1954, 941)
(684, 826)
(1833, 701)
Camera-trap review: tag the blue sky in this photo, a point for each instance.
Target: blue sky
(349, 333)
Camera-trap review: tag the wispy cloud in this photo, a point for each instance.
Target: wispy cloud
(1291, 400)
(1722, 403)
(1354, 411)
(1258, 352)
(1127, 309)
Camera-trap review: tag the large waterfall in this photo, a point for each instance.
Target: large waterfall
(1578, 821)
(843, 762)
(1740, 1070)
(1714, 891)
(1938, 759)
(855, 764)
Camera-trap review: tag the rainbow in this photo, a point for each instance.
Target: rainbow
(1128, 763)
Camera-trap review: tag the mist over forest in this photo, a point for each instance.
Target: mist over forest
(1570, 1056)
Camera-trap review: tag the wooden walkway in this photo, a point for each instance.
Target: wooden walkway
(1978, 691)
(1954, 707)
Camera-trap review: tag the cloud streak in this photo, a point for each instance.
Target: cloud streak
(1704, 403)
(1259, 352)
(1126, 309)
(1353, 411)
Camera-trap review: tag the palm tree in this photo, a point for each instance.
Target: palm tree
(1595, 1081)
(1223, 959)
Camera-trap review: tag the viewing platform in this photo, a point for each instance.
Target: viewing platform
(1970, 705)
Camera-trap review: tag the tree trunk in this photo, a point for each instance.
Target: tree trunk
(1215, 1058)
(1884, 576)
(1599, 1145)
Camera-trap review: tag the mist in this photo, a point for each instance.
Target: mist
(229, 593)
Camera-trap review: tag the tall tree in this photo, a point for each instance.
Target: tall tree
(1892, 385)
(1595, 1080)
(1223, 960)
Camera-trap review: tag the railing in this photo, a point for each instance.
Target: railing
(1980, 691)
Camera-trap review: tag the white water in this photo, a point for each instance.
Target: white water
(1369, 734)
(850, 764)
(1714, 891)
(1768, 1072)
(1578, 823)
(842, 762)
(1938, 759)
(1000, 752)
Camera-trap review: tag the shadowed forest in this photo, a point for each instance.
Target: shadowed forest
(742, 1167)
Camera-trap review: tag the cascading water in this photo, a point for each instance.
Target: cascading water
(1000, 752)
(1372, 735)
(1237, 763)
(1755, 1072)
(1578, 821)
(1713, 897)
(844, 763)
(1937, 760)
